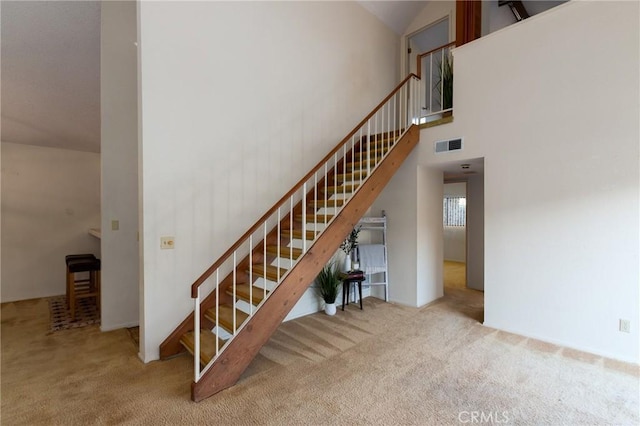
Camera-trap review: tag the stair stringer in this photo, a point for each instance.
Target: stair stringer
(171, 346)
(238, 354)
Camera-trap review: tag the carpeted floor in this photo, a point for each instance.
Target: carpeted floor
(385, 365)
(455, 274)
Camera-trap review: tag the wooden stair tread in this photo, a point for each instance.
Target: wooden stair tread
(388, 141)
(271, 272)
(361, 164)
(379, 152)
(339, 189)
(207, 344)
(318, 218)
(297, 233)
(327, 203)
(225, 317)
(351, 176)
(285, 252)
(242, 292)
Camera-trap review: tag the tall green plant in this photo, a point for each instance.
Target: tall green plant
(444, 81)
(328, 283)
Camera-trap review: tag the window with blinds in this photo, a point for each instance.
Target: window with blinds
(454, 211)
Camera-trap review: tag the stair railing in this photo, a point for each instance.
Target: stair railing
(435, 69)
(379, 131)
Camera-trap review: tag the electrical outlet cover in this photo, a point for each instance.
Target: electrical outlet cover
(167, 243)
(625, 326)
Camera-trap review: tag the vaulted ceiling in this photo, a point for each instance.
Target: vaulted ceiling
(51, 73)
(50, 69)
(397, 15)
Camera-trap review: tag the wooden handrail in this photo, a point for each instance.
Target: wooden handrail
(444, 46)
(419, 57)
(254, 228)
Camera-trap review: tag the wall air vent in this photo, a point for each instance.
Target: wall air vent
(449, 145)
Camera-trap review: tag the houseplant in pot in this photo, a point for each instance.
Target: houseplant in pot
(328, 285)
(444, 82)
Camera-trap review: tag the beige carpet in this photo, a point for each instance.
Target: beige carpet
(455, 274)
(385, 365)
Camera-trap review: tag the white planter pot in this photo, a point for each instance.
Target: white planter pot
(347, 264)
(330, 309)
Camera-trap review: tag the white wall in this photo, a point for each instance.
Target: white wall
(475, 232)
(558, 128)
(454, 244)
(454, 237)
(239, 101)
(119, 142)
(398, 199)
(415, 256)
(429, 235)
(456, 189)
(50, 199)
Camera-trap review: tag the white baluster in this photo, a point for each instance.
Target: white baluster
(234, 291)
(250, 275)
(368, 147)
(430, 83)
(335, 179)
(264, 263)
(442, 80)
(304, 214)
(196, 336)
(325, 195)
(290, 228)
(278, 249)
(344, 159)
(218, 309)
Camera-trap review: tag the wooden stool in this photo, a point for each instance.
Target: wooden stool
(68, 258)
(354, 277)
(82, 288)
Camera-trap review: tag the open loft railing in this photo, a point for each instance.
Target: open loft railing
(272, 247)
(435, 69)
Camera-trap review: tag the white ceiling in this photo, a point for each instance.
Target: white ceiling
(454, 170)
(51, 73)
(397, 15)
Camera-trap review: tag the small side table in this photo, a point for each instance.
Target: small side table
(353, 277)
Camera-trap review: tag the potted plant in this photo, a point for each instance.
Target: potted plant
(328, 285)
(348, 246)
(444, 81)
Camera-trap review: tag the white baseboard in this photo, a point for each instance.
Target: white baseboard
(112, 327)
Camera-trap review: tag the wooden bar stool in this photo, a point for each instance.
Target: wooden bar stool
(83, 287)
(353, 277)
(68, 258)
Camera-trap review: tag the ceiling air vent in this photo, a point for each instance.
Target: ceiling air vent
(450, 145)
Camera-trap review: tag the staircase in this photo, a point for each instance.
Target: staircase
(245, 295)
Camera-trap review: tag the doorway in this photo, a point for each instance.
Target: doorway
(465, 178)
(454, 221)
(426, 39)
